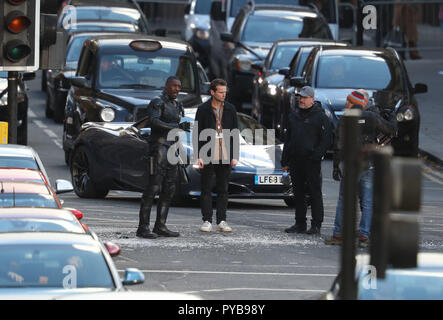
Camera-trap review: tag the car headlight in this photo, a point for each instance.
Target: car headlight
(244, 65)
(201, 34)
(406, 115)
(271, 89)
(107, 114)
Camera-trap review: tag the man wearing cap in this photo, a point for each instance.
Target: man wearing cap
(309, 136)
(372, 124)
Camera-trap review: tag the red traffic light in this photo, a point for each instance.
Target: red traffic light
(16, 22)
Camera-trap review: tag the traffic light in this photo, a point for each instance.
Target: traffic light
(52, 39)
(19, 35)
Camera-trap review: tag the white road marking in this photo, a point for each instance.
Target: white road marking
(31, 114)
(40, 124)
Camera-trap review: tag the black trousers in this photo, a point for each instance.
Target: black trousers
(306, 174)
(221, 173)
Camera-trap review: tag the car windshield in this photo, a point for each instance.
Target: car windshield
(143, 69)
(27, 200)
(18, 162)
(405, 284)
(202, 7)
(367, 72)
(272, 28)
(283, 55)
(53, 266)
(39, 225)
(101, 13)
(238, 4)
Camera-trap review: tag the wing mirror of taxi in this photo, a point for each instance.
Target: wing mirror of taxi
(420, 88)
(80, 82)
(112, 248)
(298, 82)
(284, 72)
(227, 37)
(133, 276)
(258, 65)
(63, 186)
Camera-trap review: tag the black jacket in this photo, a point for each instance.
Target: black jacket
(372, 125)
(205, 119)
(164, 115)
(309, 135)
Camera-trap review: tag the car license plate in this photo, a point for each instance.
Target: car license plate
(268, 179)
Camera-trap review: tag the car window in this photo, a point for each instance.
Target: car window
(144, 69)
(100, 13)
(283, 56)
(75, 47)
(303, 56)
(27, 200)
(368, 72)
(44, 265)
(238, 4)
(271, 28)
(18, 162)
(39, 225)
(202, 7)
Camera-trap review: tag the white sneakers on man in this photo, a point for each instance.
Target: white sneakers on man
(206, 227)
(224, 227)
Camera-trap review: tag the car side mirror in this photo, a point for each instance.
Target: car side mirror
(63, 186)
(258, 65)
(28, 76)
(133, 276)
(205, 87)
(80, 82)
(160, 32)
(227, 37)
(420, 88)
(298, 82)
(284, 72)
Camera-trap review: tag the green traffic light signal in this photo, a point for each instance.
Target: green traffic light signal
(15, 50)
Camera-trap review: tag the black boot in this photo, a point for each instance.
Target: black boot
(143, 225)
(160, 223)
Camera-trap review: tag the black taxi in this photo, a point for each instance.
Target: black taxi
(118, 75)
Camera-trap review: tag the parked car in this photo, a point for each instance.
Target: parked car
(78, 13)
(22, 104)
(113, 156)
(254, 31)
(58, 82)
(425, 282)
(17, 156)
(48, 265)
(335, 72)
(136, 70)
(39, 220)
(196, 30)
(269, 84)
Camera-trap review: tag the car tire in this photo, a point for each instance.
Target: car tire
(67, 155)
(48, 111)
(59, 114)
(290, 202)
(82, 181)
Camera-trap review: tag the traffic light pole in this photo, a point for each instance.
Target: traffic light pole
(12, 105)
(351, 161)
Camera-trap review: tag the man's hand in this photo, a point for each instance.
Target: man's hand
(337, 174)
(234, 162)
(186, 126)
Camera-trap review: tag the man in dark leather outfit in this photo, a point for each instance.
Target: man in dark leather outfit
(164, 114)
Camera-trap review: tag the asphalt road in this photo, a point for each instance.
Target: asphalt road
(256, 261)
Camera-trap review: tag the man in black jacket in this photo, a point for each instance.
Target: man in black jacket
(164, 113)
(308, 138)
(216, 148)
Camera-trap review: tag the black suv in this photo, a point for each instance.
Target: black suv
(254, 31)
(334, 72)
(117, 76)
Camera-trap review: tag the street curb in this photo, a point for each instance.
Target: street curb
(426, 156)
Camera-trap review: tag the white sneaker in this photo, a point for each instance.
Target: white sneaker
(223, 226)
(206, 227)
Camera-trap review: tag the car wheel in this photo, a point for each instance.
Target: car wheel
(59, 114)
(67, 155)
(83, 184)
(290, 202)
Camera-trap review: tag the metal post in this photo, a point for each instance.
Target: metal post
(359, 23)
(12, 106)
(352, 156)
(380, 213)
